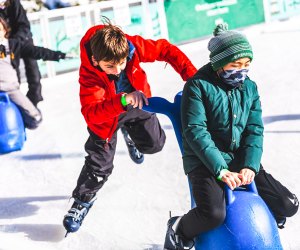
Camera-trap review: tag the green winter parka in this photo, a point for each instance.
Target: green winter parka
(222, 126)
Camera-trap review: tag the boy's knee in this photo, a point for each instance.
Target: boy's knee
(216, 217)
(156, 146)
(289, 205)
(205, 221)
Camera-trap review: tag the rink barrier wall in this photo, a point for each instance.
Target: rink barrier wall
(62, 29)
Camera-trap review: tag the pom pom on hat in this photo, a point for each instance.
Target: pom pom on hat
(220, 28)
(227, 46)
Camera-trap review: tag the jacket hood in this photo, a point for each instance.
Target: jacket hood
(86, 55)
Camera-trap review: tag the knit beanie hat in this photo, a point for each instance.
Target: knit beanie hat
(227, 46)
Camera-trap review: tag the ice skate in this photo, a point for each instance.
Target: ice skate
(75, 216)
(173, 241)
(134, 153)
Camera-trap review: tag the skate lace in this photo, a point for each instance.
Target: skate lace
(178, 241)
(181, 244)
(77, 214)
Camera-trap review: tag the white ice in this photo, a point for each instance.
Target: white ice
(133, 207)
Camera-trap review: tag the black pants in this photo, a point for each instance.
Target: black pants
(33, 76)
(209, 197)
(143, 128)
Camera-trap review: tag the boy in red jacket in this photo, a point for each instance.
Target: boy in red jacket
(113, 90)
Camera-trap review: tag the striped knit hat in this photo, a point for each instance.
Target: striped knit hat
(227, 46)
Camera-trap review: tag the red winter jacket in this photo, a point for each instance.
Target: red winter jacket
(100, 105)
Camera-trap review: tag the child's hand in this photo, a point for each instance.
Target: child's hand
(136, 99)
(71, 56)
(60, 55)
(246, 175)
(232, 179)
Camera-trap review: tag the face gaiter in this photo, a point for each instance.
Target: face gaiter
(233, 77)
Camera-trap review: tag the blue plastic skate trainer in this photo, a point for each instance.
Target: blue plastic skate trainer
(12, 131)
(249, 224)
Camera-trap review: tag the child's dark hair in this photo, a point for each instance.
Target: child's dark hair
(5, 26)
(7, 3)
(109, 44)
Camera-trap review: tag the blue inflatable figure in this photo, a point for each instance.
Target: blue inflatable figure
(12, 130)
(249, 224)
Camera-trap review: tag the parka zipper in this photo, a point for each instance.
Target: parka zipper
(111, 89)
(229, 94)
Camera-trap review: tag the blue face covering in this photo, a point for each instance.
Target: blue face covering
(233, 77)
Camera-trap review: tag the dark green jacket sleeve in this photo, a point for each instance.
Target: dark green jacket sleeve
(252, 137)
(194, 126)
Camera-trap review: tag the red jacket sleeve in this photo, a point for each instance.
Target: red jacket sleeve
(96, 108)
(161, 50)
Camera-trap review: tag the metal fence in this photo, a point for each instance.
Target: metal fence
(180, 21)
(62, 29)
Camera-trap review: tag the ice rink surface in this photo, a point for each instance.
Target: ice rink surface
(133, 207)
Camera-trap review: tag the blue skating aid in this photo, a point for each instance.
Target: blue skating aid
(12, 130)
(249, 223)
